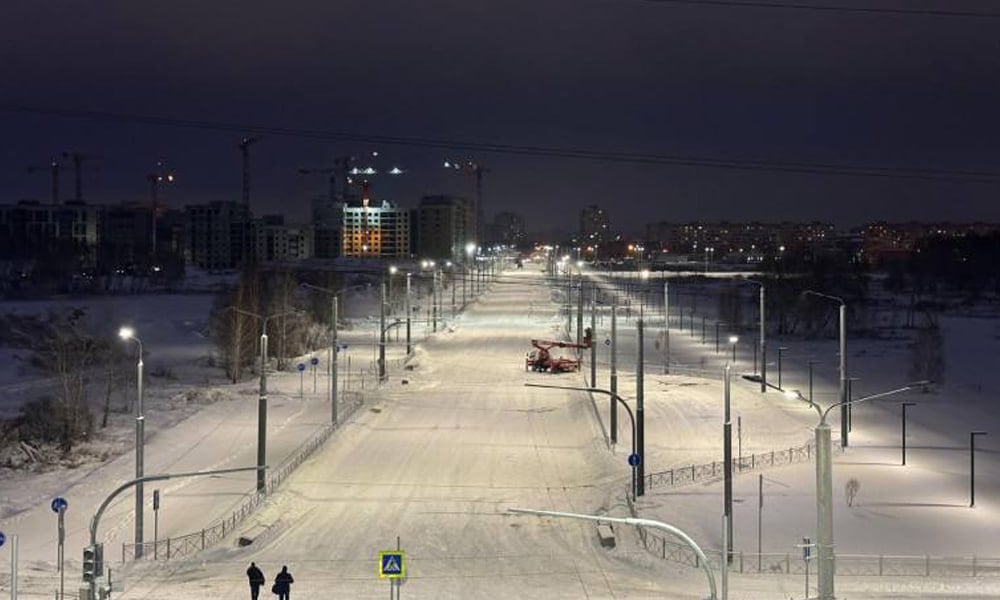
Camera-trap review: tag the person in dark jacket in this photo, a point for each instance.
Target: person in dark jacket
(283, 584)
(256, 578)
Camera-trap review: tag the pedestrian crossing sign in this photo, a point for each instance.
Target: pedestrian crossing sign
(392, 564)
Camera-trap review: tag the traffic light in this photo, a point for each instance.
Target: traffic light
(93, 562)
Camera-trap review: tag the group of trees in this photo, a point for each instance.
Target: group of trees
(296, 318)
(61, 346)
(966, 265)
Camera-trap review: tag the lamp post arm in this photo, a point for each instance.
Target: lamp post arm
(100, 510)
(822, 295)
(905, 388)
(635, 523)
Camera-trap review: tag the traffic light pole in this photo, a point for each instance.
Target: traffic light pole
(90, 578)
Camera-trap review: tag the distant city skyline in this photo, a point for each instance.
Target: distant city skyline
(760, 90)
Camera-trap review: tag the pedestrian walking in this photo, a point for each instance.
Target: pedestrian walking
(256, 578)
(283, 584)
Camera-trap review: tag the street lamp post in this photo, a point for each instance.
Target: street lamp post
(811, 364)
(781, 350)
(972, 466)
(903, 434)
(615, 399)
(727, 459)
(593, 332)
(733, 339)
(842, 313)
(666, 327)
(637, 523)
(381, 338)
(613, 378)
(262, 394)
(409, 312)
(640, 412)
(334, 316)
(824, 487)
(128, 333)
(762, 333)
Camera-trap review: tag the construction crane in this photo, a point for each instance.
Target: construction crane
(541, 360)
(244, 147)
(477, 170)
(77, 159)
(54, 166)
(155, 179)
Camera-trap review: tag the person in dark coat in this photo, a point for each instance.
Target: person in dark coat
(283, 584)
(256, 578)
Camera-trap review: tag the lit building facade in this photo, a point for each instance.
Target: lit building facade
(381, 231)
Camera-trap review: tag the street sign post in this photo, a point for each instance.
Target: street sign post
(806, 556)
(302, 369)
(313, 362)
(392, 564)
(59, 506)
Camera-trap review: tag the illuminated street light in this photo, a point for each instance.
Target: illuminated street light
(824, 485)
(128, 333)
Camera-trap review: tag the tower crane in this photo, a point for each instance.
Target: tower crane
(54, 166)
(77, 159)
(477, 170)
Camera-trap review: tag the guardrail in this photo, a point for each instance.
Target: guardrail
(184, 545)
(776, 563)
(715, 470)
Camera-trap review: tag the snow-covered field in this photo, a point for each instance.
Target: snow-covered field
(453, 441)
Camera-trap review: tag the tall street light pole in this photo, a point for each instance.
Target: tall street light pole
(824, 487)
(640, 413)
(972, 466)
(843, 361)
(409, 312)
(666, 327)
(615, 398)
(262, 394)
(128, 333)
(763, 343)
(781, 350)
(381, 335)
(593, 332)
(903, 434)
(614, 367)
(727, 459)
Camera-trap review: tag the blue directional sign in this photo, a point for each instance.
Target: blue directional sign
(392, 564)
(314, 361)
(3, 538)
(634, 460)
(59, 503)
(301, 366)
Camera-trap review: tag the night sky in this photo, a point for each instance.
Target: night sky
(744, 84)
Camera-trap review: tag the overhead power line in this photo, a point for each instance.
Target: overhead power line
(523, 150)
(925, 12)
